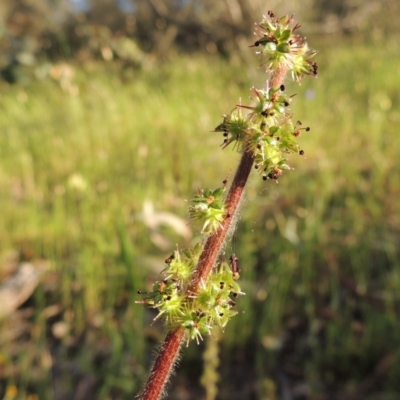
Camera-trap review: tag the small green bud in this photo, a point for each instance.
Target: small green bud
(209, 209)
(283, 48)
(285, 35)
(234, 128)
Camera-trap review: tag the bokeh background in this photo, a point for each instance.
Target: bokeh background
(106, 113)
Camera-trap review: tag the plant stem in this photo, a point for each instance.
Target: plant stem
(163, 365)
(168, 354)
(215, 242)
(165, 361)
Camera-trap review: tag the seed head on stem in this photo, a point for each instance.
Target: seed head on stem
(195, 292)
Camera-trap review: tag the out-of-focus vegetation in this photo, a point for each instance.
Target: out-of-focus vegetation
(36, 33)
(96, 162)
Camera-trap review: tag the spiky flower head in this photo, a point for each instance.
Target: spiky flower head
(234, 127)
(266, 130)
(197, 312)
(281, 45)
(208, 208)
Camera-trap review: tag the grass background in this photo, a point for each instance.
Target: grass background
(318, 252)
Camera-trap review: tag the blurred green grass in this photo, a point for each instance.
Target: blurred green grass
(319, 251)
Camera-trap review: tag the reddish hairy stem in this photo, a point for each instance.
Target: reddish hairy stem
(167, 356)
(215, 242)
(169, 351)
(163, 365)
(278, 76)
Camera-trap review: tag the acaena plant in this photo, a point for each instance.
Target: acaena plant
(199, 286)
